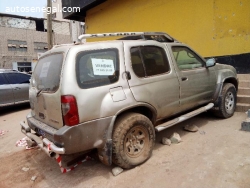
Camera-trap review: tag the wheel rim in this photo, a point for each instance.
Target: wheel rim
(136, 141)
(229, 102)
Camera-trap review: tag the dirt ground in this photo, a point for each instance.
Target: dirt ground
(218, 155)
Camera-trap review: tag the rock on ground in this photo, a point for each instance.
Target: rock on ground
(175, 138)
(166, 141)
(116, 171)
(191, 128)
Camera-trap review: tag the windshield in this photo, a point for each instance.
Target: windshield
(46, 76)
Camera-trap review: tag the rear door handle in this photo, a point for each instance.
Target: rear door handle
(184, 78)
(17, 88)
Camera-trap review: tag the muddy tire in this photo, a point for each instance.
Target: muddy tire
(228, 101)
(133, 140)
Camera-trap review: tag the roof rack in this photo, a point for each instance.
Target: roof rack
(102, 35)
(132, 36)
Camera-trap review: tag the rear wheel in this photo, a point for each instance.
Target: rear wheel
(133, 140)
(228, 101)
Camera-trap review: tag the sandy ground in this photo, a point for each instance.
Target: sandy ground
(218, 155)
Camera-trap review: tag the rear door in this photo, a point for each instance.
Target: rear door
(20, 85)
(197, 83)
(6, 92)
(153, 79)
(45, 98)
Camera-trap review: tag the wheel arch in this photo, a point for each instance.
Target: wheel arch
(144, 109)
(231, 80)
(218, 91)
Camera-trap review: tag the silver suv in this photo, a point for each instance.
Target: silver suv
(114, 95)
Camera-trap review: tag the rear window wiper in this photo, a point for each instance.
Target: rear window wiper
(40, 90)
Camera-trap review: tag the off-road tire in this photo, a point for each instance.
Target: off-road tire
(133, 140)
(228, 101)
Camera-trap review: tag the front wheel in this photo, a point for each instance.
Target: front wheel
(228, 101)
(133, 140)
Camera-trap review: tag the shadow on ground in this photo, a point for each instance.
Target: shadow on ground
(12, 109)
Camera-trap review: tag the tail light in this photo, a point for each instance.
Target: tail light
(69, 110)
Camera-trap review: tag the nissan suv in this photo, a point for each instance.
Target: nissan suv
(114, 95)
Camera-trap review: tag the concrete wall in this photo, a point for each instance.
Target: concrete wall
(17, 23)
(59, 27)
(211, 27)
(28, 35)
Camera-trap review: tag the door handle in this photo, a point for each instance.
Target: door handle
(184, 78)
(17, 88)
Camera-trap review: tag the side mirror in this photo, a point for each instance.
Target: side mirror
(210, 62)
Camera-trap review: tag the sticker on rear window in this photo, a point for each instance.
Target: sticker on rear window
(45, 69)
(103, 66)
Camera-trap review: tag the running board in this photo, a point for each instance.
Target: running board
(184, 117)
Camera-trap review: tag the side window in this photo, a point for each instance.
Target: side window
(97, 68)
(18, 78)
(149, 61)
(186, 59)
(136, 61)
(3, 80)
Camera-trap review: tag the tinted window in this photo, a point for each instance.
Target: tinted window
(149, 61)
(136, 61)
(17, 78)
(97, 68)
(3, 80)
(186, 59)
(46, 75)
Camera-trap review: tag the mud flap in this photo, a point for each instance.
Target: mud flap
(105, 153)
(217, 103)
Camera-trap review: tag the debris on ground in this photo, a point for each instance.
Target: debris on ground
(33, 178)
(2, 132)
(116, 171)
(166, 141)
(25, 169)
(64, 170)
(245, 125)
(191, 128)
(23, 143)
(175, 138)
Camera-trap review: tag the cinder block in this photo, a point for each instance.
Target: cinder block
(245, 125)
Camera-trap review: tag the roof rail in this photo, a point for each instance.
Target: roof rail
(102, 35)
(59, 45)
(127, 35)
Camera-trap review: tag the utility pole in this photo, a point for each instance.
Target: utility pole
(49, 25)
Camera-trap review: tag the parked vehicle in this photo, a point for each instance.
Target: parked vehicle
(14, 87)
(112, 95)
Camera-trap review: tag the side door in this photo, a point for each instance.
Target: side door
(153, 79)
(197, 83)
(6, 93)
(20, 84)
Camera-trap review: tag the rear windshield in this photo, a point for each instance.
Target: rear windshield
(46, 76)
(97, 68)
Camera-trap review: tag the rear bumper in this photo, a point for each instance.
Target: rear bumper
(47, 146)
(68, 139)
